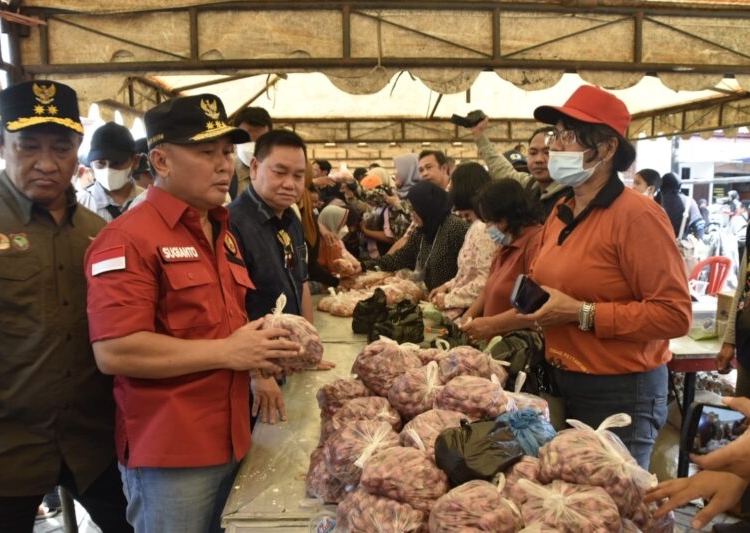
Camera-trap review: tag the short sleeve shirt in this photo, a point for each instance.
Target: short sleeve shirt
(152, 269)
(55, 405)
(275, 267)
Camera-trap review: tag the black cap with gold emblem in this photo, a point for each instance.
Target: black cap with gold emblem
(190, 119)
(40, 102)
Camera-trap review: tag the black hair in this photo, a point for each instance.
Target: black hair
(254, 115)
(324, 165)
(359, 173)
(670, 183)
(505, 199)
(651, 177)
(546, 130)
(265, 143)
(591, 135)
(439, 156)
(467, 182)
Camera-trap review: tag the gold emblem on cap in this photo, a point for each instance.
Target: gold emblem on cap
(45, 94)
(210, 108)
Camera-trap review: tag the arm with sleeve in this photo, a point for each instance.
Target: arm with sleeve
(497, 165)
(404, 257)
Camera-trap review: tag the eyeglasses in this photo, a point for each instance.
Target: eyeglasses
(564, 136)
(286, 243)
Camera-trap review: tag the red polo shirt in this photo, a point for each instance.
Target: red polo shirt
(152, 269)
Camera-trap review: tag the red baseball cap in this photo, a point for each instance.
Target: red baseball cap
(589, 104)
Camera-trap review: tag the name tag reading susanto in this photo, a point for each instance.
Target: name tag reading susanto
(174, 254)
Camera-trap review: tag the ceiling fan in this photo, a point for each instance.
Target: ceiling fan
(9, 11)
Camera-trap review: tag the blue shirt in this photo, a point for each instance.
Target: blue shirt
(276, 264)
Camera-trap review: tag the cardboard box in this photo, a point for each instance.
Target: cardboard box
(724, 304)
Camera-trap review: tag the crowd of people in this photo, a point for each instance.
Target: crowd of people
(132, 310)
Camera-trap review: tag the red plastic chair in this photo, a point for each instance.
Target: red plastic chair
(717, 275)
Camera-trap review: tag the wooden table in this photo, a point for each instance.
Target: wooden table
(691, 356)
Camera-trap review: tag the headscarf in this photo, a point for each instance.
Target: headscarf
(309, 224)
(333, 217)
(407, 166)
(432, 204)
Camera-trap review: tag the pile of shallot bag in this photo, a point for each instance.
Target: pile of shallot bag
(397, 287)
(376, 456)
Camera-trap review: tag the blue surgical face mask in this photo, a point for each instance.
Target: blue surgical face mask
(499, 237)
(566, 168)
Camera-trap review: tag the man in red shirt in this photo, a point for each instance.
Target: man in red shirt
(166, 293)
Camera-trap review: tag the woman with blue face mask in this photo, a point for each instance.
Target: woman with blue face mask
(514, 225)
(616, 280)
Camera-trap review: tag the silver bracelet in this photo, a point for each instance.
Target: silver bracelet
(586, 316)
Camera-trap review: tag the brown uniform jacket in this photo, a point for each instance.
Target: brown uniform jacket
(54, 403)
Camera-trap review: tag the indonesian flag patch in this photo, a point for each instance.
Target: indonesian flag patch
(108, 260)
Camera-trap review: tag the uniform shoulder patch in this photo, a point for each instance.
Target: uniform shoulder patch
(108, 260)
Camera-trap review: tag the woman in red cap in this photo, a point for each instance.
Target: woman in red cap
(617, 283)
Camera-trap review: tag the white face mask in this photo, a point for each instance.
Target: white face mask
(246, 152)
(567, 169)
(111, 178)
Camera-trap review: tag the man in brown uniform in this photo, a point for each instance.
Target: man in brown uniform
(56, 408)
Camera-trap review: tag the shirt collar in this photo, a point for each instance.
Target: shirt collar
(102, 199)
(172, 209)
(603, 199)
(26, 205)
(265, 213)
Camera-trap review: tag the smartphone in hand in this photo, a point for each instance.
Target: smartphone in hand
(527, 295)
(708, 427)
(470, 120)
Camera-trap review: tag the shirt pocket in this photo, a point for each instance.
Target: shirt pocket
(192, 298)
(21, 294)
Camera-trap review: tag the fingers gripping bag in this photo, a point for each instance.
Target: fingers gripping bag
(301, 331)
(414, 392)
(569, 507)
(406, 475)
(382, 361)
(597, 457)
(475, 506)
(350, 448)
(362, 512)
